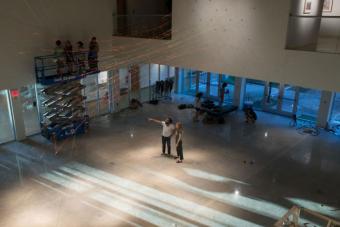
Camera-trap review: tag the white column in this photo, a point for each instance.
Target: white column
(325, 108)
(176, 83)
(111, 91)
(208, 84)
(239, 92)
(18, 120)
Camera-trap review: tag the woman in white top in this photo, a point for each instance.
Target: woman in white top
(167, 132)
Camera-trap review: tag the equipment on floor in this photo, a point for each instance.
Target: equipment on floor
(63, 111)
(212, 113)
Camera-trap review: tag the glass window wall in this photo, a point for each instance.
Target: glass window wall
(187, 82)
(154, 73)
(164, 72)
(144, 81)
(214, 84)
(202, 82)
(229, 89)
(288, 98)
(309, 103)
(254, 93)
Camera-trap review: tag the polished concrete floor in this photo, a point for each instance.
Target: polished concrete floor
(233, 174)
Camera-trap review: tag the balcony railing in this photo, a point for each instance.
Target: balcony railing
(51, 69)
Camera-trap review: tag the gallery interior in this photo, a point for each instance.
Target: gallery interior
(170, 113)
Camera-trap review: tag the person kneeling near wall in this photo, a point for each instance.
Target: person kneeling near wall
(250, 115)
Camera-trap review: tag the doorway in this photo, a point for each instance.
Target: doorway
(6, 121)
(283, 99)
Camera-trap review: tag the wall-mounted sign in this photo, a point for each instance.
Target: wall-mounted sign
(15, 93)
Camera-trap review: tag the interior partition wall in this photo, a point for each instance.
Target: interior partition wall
(6, 121)
(98, 94)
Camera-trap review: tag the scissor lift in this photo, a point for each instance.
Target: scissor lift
(61, 99)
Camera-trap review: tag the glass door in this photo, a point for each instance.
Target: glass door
(6, 123)
(30, 110)
(103, 93)
(289, 99)
(91, 93)
(254, 94)
(308, 104)
(187, 82)
(124, 85)
(144, 82)
(202, 82)
(214, 85)
(228, 82)
(163, 72)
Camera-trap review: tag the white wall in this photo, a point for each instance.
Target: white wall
(335, 9)
(242, 38)
(330, 27)
(245, 38)
(31, 27)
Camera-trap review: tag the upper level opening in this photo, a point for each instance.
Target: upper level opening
(314, 25)
(143, 18)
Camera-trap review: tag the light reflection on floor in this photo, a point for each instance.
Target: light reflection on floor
(212, 172)
(211, 177)
(258, 206)
(127, 193)
(160, 208)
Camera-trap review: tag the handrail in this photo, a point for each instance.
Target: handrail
(293, 215)
(306, 16)
(64, 55)
(53, 68)
(142, 15)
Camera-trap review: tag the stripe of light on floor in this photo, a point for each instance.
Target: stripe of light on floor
(115, 201)
(187, 209)
(261, 207)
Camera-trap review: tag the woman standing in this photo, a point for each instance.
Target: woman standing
(81, 57)
(68, 49)
(59, 54)
(179, 142)
(93, 54)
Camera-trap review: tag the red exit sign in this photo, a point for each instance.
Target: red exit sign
(15, 93)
